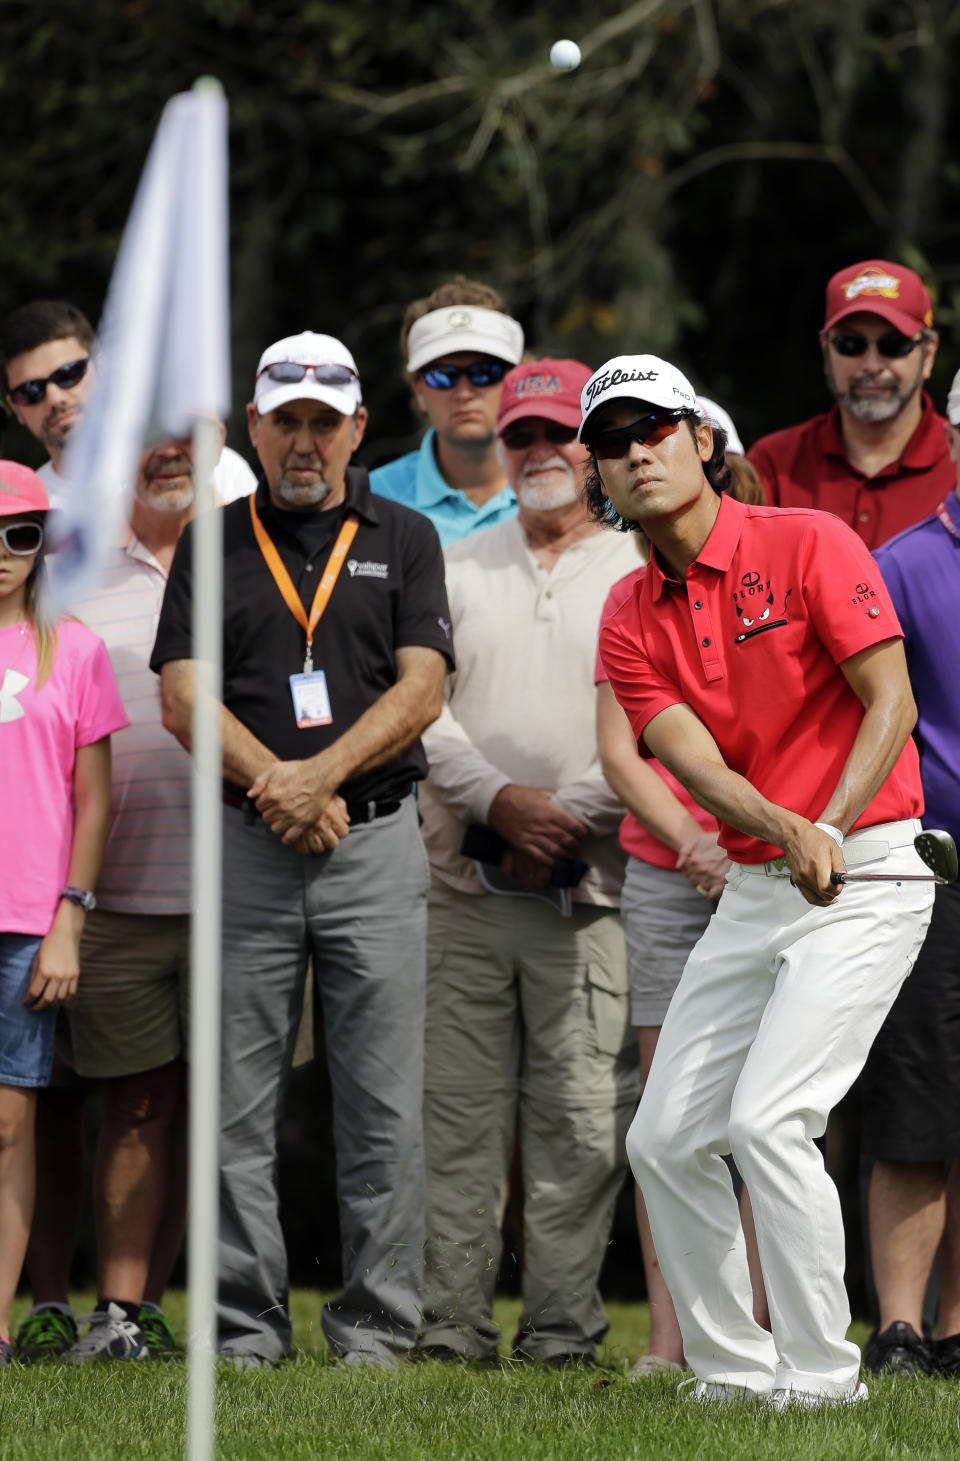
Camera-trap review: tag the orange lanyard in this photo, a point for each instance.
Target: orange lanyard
(285, 584)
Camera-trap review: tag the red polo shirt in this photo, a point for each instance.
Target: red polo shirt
(806, 466)
(751, 641)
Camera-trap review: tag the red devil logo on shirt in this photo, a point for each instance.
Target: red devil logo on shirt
(755, 619)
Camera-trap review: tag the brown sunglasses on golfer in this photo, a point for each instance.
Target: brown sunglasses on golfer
(649, 431)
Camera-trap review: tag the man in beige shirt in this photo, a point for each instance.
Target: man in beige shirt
(527, 1005)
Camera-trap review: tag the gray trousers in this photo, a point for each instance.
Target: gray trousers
(360, 912)
(526, 1012)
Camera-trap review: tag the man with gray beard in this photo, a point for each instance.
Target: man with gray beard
(527, 1011)
(878, 458)
(336, 642)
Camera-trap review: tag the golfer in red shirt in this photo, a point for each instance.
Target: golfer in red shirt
(759, 659)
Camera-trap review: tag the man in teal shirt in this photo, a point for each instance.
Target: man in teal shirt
(458, 342)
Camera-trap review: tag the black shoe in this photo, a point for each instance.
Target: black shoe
(946, 1356)
(447, 1355)
(899, 1348)
(572, 1359)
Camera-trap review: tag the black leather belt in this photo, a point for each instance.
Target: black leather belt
(358, 812)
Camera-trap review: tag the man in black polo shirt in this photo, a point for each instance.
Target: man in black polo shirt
(336, 641)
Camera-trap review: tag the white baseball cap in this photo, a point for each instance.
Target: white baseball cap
(717, 416)
(337, 386)
(953, 401)
(636, 378)
(463, 327)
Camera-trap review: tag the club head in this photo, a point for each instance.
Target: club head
(939, 851)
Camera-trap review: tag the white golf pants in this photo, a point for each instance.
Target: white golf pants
(769, 1027)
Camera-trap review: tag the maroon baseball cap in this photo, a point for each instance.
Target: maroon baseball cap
(21, 490)
(547, 388)
(877, 287)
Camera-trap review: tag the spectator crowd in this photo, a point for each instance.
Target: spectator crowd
(488, 852)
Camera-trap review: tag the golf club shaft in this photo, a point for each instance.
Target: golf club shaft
(886, 878)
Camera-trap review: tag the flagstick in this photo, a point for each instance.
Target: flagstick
(205, 953)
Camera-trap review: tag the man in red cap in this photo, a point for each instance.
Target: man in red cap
(878, 458)
(527, 1007)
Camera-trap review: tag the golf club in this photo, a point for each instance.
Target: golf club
(937, 849)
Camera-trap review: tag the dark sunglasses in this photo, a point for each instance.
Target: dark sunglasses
(32, 392)
(649, 431)
(519, 437)
(22, 539)
(481, 373)
(290, 372)
(893, 346)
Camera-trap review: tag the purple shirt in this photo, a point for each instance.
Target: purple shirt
(921, 568)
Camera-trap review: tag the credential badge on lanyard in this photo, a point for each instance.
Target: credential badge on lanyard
(311, 701)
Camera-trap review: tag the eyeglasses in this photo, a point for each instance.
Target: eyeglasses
(892, 346)
(32, 392)
(519, 436)
(649, 431)
(289, 372)
(481, 373)
(22, 539)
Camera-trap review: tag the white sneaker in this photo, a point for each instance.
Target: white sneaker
(703, 1391)
(111, 1336)
(789, 1399)
(653, 1364)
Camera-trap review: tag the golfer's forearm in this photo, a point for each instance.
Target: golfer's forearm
(882, 736)
(732, 799)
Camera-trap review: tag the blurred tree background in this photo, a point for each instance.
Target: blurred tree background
(687, 190)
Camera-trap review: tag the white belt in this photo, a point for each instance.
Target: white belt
(861, 846)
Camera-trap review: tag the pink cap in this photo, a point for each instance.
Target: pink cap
(21, 490)
(547, 388)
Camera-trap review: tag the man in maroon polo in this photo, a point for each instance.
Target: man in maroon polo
(877, 458)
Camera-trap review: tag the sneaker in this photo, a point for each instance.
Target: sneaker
(111, 1336)
(248, 1360)
(45, 1334)
(650, 1365)
(899, 1348)
(702, 1392)
(946, 1355)
(787, 1399)
(161, 1340)
(6, 1353)
(370, 1359)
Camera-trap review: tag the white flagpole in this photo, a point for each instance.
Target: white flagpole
(205, 923)
(205, 955)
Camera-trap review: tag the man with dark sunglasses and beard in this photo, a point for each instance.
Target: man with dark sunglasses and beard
(46, 350)
(878, 458)
(527, 1007)
(458, 344)
(48, 366)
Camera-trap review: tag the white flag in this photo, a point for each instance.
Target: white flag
(163, 339)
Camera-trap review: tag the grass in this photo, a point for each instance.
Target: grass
(432, 1412)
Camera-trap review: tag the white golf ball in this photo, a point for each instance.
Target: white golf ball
(565, 55)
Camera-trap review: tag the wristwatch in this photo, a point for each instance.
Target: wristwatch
(81, 897)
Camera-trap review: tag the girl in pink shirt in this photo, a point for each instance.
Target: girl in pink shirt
(58, 706)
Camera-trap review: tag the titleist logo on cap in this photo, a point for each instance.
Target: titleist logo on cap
(613, 378)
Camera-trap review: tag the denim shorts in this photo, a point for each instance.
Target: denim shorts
(26, 1037)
